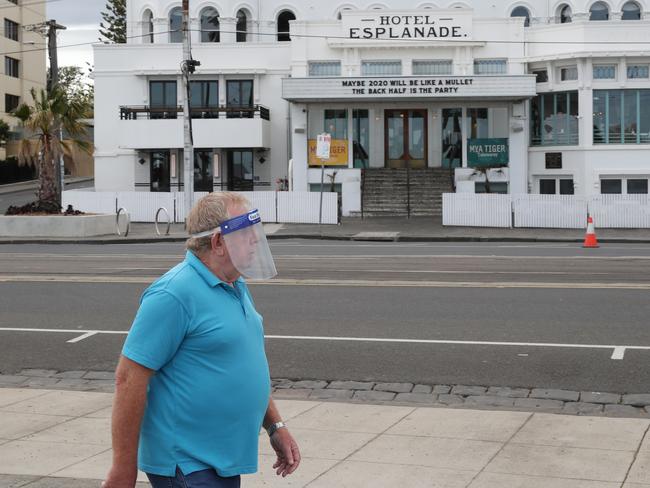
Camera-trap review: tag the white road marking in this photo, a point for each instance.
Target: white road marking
(618, 351)
(82, 337)
(336, 283)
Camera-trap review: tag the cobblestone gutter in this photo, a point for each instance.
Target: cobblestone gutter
(479, 397)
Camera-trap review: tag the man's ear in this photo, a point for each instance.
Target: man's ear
(218, 244)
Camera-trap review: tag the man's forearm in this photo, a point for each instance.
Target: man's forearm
(128, 410)
(272, 414)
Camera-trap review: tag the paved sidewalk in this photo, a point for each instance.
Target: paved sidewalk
(56, 439)
(394, 229)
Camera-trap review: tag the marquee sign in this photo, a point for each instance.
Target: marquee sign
(414, 25)
(408, 87)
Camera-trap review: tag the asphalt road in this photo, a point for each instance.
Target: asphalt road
(552, 316)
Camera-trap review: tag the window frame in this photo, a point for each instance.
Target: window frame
(637, 66)
(12, 30)
(205, 33)
(311, 64)
(381, 62)
(12, 67)
(564, 69)
(446, 63)
(14, 106)
(500, 62)
(604, 66)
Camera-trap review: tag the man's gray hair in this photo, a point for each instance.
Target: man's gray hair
(208, 213)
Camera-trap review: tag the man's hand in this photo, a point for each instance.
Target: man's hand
(287, 451)
(120, 478)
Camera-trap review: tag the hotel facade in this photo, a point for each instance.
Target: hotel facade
(550, 99)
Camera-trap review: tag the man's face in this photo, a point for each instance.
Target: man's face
(242, 244)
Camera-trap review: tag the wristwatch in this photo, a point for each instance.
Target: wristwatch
(273, 427)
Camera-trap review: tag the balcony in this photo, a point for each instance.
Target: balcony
(145, 127)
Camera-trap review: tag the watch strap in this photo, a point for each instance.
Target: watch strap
(274, 427)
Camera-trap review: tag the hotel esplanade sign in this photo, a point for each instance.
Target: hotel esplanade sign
(416, 25)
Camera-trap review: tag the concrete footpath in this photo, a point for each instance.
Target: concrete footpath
(56, 439)
(388, 229)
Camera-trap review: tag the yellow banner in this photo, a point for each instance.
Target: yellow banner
(338, 153)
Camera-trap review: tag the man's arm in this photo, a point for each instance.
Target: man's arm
(131, 380)
(283, 443)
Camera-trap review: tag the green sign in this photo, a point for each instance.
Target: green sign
(487, 152)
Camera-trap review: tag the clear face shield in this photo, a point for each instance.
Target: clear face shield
(247, 246)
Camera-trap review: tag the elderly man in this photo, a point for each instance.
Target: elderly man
(192, 385)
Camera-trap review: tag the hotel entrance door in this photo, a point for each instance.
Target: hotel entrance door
(406, 138)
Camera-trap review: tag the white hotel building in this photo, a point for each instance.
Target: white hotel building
(559, 90)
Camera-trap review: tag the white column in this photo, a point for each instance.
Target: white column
(519, 126)
(195, 30)
(161, 25)
(228, 27)
(299, 137)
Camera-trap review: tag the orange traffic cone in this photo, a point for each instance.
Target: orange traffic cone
(590, 237)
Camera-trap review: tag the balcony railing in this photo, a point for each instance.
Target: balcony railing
(138, 112)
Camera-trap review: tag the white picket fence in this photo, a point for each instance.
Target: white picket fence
(466, 210)
(545, 211)
(550, 211)
(274, 207)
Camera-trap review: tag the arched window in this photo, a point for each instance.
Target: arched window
(339, 16)
(176, 25)
(209, 25)
(522, 12)
(242, 26)
(565, 14)
(283, 25)
(631, 11)
(147, 27)
(599, 11)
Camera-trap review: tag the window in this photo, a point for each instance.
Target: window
(204, 96)
(554, 119)
(176, 25)
(599, 11)
(477, 123)
(621, 117)
(12, 67)
(11, 30)
(339, 16)
(283, 25)
(147, 27)
(163, 99)
(605, 72)
(637, 186)
(541, 75)
(160, 171)
(569, 73)
(490, 67)
(547, 187)
(522, 12)
(360, 138)
(324, 68)
(611, 187)
(239, 95)
(336, 123)
(432, 67)
(242, 26)
(565, 14)
(11, 102)
(203, 171)
(378, 68)
(631, 11)
(210, 25)
(638, 71)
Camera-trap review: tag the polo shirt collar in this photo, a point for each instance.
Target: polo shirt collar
(208, 276)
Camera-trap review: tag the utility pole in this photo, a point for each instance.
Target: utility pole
(188, 67)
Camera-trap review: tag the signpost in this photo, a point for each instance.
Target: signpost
(323, 145)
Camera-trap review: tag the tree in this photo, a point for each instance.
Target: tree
(113, 26)
(41, 144)
(75, 83)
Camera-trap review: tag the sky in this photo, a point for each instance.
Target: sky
(82, 18)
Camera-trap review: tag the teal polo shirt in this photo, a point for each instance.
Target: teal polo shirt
(211, 387)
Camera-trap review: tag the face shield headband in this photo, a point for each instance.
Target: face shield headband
(247, 245)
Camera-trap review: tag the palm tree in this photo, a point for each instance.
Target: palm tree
(41, 124)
